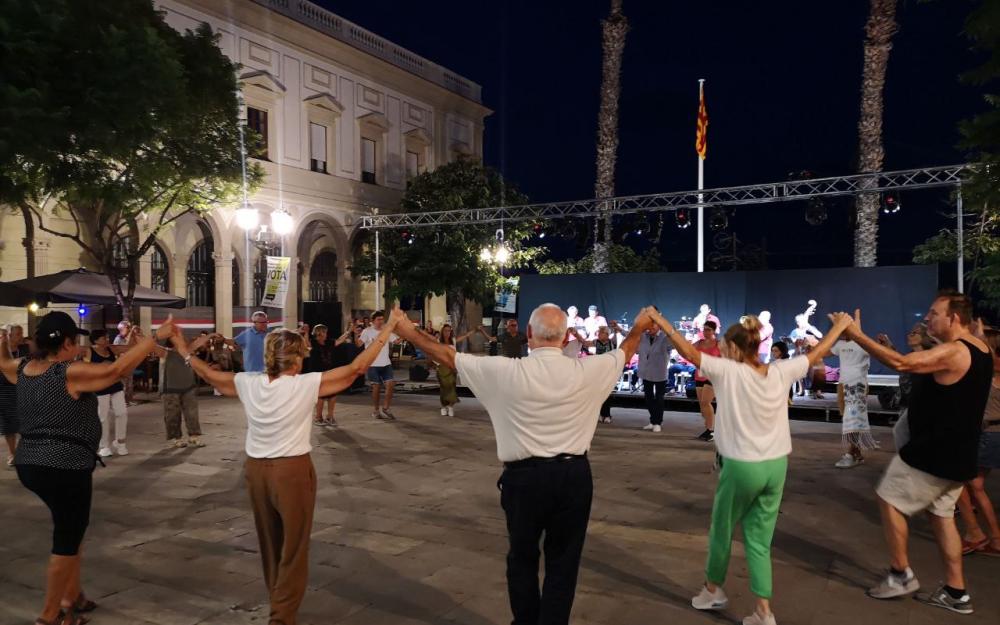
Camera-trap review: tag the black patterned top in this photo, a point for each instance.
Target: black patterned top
(56, 430)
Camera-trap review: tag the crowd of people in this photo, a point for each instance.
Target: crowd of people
(544, 408)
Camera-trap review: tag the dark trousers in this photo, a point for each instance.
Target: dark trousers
(606, 407)
(550, 498)
(67, 493)
(654, 400)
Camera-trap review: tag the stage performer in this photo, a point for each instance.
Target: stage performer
(753, 440)
(944, 417)
(575, 330)
(654, 353)
(852, 399)
(702, 385)
(804, 330)
(704, 314)
(593, 322)
(281, 481)
(60, 432)
(542, 408)
(766, 335)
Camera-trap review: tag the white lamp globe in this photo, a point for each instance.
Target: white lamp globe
(247, 218)
(281, 222)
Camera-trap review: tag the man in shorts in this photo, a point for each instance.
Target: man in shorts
(380, 371)
(951, 383)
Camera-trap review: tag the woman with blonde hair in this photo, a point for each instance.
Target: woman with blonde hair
(753, 440)
(281, 481)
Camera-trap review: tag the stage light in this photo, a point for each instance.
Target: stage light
(719, 219)
(485, 255)
(81, 310)
(891, 204)
(405, 234)
(539, 230)
(33, 307)
(816, 212)
(682, 218)
(410, 240)
(502, 255)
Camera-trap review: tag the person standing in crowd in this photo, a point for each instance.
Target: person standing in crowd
(950, 389)
(542, 408)
(654, 354)
(346, 350)
(280, 476)
(512, 341)
(593, 322)
(975, 540)
(779, 351)
(380, 371)
(754, 441)
(60, 431)
(111, 399)
(447, 378)
(321, 359)
(703, 386)
(852, 399)
(766, 335)
(603, 344)
(429, 328)
(250, 343)
(8, 393)
(179, 390)
(705, 315)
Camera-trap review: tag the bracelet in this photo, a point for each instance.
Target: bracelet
(187, 359)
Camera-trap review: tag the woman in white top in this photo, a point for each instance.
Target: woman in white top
(753, 441)
(281, 481)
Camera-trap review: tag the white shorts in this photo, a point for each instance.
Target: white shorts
(911, 490)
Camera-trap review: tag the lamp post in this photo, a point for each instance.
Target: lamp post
(247, 219)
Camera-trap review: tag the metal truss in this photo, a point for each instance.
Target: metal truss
(792, 190)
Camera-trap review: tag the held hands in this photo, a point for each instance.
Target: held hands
(399, 320)
(883, 339)
(843, 322)
(165, 331)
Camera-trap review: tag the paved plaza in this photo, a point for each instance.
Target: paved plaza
(409, 529)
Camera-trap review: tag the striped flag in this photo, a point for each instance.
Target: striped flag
(701, 137)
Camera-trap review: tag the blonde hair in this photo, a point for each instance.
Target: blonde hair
(283, 349)
(745, 336)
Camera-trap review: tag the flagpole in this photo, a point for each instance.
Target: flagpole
(701, 196)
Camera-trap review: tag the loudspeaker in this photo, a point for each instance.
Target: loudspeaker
(327, 313)
(419, 373)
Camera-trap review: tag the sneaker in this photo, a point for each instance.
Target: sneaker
(657, 428)
(330, 423)
(711, 437)
(386, 414)
(194, 441)
(848, 461)
(708, 600)
(444, 412)
(120, 448)
(451, 411)
(941, 599)
(105, 452)
(648, 426)
(10, 461)
(758, 619)
(895, 586)
(176, 443)
(319, 423)
(378, 415)
(706, 435)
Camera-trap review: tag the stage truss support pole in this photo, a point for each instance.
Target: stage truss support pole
(378, 277)
(960, 240)
(701, 202)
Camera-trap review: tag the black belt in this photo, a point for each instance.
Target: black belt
(538, 460)
(992, 422)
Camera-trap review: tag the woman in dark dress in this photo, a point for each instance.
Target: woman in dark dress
(321, 359)
(9, 426)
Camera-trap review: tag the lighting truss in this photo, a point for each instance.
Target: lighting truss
(788, 191)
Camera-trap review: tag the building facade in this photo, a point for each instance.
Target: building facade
(346, 118)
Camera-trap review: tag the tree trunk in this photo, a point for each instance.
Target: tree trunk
(879, 30)
(456, 308)
(29, 243)
(614, 29)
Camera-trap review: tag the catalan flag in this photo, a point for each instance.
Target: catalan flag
(701, 137)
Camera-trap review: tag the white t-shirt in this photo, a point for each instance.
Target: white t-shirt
(543, 405)
(279, 412)
(751, 422)
(854, 362)
(592, 325)
(368, 337)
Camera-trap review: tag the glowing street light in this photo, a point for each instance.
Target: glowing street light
(282, 222)
(247, 218)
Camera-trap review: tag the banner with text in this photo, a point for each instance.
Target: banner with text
(276, 286)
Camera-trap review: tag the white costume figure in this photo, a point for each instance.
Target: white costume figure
(593, 323)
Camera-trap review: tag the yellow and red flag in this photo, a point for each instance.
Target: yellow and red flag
(701, 137)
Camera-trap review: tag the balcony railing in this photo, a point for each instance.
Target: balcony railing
(337, 27)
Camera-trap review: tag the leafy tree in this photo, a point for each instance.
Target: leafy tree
(445, 260)
(622, 259)
(121, 125)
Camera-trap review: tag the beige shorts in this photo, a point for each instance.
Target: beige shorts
(911, 490)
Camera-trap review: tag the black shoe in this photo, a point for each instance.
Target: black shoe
(705, 436)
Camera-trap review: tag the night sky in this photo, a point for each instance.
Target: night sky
(783, 93)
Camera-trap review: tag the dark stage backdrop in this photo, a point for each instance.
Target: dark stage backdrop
(891, 299)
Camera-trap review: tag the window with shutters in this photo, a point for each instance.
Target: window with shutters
(318, 147)
(257, 122)
(368, 171)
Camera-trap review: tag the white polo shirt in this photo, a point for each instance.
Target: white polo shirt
(543, 405)
(279, 412)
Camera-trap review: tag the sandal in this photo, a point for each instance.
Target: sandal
(989, 550)
(969, 546)
(84, 604)
(72, 618)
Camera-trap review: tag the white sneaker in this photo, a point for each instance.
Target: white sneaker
(105, 452)
(757, 619)
(444, 412)
(194, 441)
(451, 411)
(657, 428)
(895, 586)
(848, 461)
(119, 448)
(648, 426)
(176, 443)
(708, 600)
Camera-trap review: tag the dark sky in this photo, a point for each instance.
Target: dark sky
(783, 95)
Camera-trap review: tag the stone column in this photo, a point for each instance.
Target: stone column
(291, 311)
(223, 292)
(146, 280)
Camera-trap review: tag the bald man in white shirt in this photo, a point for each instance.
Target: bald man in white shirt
(544, 412)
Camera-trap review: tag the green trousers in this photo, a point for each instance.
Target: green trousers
(748, 494)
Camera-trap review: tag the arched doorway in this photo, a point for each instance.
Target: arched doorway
(201, 272)
(323, 277)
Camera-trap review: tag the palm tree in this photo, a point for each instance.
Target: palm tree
(614, 29)
(879, 30)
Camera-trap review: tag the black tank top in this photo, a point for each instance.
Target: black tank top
(95, 357)
(946, 420)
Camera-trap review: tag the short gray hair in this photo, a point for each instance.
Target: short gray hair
(547, 331)
(258, 313)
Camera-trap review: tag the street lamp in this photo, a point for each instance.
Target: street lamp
(282, 222)
(247, 218)
(499, 255)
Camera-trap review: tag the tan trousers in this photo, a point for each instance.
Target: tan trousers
(283, 496)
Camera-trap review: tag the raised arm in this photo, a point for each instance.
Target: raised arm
(222, 381)
(8, 364)
(840, 324)
(687, 351)
(86, 377)
(938, 358)
(439, 352)
(336, 380)
(643, 321)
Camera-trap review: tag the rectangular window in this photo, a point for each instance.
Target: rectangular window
(257, 122)
(412, 164)
(317, 141)
(368, 161)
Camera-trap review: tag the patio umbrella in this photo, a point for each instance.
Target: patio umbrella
(78, 286)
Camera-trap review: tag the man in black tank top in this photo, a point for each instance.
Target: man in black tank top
(951, 384)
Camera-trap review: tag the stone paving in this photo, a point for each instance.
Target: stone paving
(409, 529)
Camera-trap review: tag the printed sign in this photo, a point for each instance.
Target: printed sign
(276, 286)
